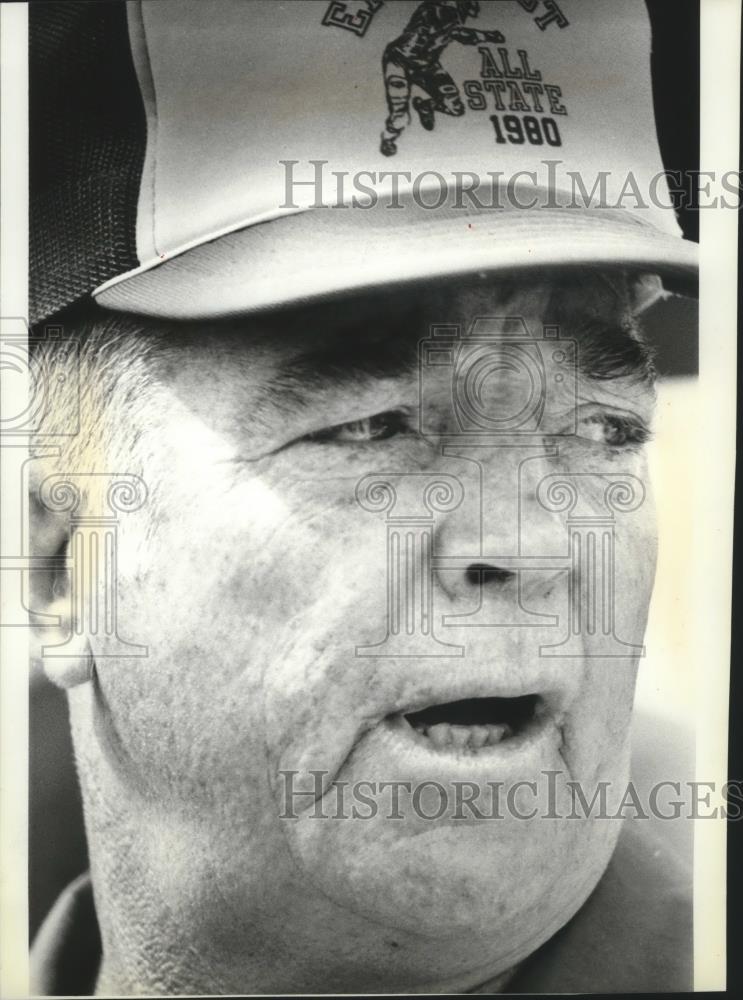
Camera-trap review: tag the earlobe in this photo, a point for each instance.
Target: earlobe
(72, 668)
(64, 655)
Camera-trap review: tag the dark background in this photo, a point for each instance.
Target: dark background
(676, 83)
(672, 326)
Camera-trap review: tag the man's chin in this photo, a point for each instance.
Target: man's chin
(505, 881)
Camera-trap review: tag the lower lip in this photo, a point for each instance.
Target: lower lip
(520, 756)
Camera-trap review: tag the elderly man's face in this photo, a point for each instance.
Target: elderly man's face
(261, 583)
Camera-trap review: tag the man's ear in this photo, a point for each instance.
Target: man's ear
(51, 599)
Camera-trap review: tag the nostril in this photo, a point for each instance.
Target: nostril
(481, 574)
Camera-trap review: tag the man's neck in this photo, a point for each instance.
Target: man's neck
(110, 984)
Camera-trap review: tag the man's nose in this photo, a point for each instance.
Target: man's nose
(500, 543)
(478, 572)
(466, 570)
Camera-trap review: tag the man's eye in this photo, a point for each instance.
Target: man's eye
(613, 430)
(376, 428)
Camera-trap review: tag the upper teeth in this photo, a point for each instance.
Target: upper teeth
(465, 737)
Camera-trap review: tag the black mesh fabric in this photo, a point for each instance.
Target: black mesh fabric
(87, 134)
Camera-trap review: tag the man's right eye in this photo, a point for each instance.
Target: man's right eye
(375, 428)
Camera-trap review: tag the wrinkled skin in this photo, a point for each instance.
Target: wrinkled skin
(252, 575)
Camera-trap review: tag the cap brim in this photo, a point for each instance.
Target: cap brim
(322, 252)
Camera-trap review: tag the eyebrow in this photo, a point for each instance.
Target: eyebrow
(613, 351)
(605, 352)
(346, 365)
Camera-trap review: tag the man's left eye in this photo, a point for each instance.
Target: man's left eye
(375, 428)
(613, 430)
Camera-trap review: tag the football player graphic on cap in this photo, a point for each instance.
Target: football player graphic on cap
(413, 59)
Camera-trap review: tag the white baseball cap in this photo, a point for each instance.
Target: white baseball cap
(299, 149)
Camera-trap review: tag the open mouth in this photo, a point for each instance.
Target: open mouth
(475, 723)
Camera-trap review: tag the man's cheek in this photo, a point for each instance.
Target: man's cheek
(635, 558)
(253, 586)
